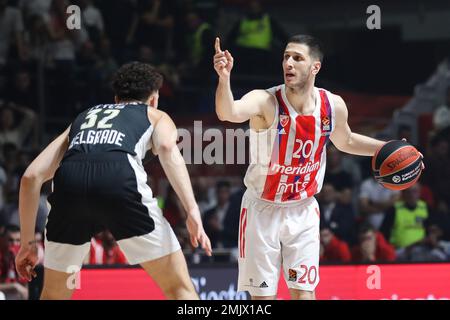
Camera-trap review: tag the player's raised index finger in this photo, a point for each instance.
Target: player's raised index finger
(217, 45)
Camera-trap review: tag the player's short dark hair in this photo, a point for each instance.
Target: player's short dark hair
(136, 81)
(314, 45)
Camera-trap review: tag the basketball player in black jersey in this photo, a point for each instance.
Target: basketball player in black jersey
(99, 183)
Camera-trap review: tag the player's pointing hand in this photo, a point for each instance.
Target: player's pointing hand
(223, 61)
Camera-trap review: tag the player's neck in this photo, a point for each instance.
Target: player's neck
(301, 99)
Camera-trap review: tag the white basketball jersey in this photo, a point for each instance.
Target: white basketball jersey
(287, 161)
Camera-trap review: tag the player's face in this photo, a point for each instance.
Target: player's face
(298, 66)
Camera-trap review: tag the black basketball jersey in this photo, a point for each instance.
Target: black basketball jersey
(120, 127)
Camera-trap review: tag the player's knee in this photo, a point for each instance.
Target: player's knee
(179, 288)
(52, 294)
(264, 297)
(306, 295)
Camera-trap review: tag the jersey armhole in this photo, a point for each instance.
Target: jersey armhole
(275, 116)
(332, 107)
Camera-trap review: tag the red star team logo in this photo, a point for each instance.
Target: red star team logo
(284, 119)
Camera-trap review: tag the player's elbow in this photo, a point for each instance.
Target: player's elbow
(167, 146)
(222, 116)
(31, 177)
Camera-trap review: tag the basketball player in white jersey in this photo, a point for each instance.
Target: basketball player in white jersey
(290, 127)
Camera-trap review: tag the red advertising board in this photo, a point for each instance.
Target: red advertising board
(393, 282)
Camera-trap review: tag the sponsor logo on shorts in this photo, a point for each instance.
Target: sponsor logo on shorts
(252, 284)
(292, 275)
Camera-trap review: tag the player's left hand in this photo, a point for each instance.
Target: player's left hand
(197, 233)
(26, 261)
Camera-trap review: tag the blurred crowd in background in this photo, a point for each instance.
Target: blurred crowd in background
(49, 73)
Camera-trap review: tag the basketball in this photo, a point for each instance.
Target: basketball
(397, 165)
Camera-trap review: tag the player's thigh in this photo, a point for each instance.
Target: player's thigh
(169, 272)
(302, 294)
(259, 248)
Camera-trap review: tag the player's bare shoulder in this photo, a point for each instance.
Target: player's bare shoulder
(164, 132)
(340, 108)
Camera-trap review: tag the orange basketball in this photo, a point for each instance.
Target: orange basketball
(397, 165)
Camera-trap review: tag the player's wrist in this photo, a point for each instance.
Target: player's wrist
(193, 211)
(224, 80)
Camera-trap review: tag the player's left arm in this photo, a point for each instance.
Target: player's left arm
(346, 140)
(39, 171)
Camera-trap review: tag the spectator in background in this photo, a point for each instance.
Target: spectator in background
(11, 31)
(215, 217)
(231, 224)
(152, 26)
(22, 93)
(335, 174)
(440, 216)
(374, 200)
(404, 132)
(36, 39)
(171, 76)
(114, 11)
(12, 131)
(35, 7)
(87, 60)
(437, 173)
(372, 246)
(3, 181)
(106, 66)
(332, 249)
(198, 40)
(9, 214)
(404, 223)
(63, 43)
(105, 251)
(202, 192)
(441, 116)
(10, 284)
(93, 21)
(173, 210)
(340, 218)
(254, 39)
(431, 248)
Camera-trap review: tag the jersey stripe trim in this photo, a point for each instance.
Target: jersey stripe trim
(278, 152)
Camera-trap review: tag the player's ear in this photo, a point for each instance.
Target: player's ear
(316, 67)
(153, 99)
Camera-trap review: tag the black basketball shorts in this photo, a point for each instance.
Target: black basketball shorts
(107, 191)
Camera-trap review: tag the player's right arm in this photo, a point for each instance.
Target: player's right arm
(164, 143)
(254, 104)
(39, 171)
